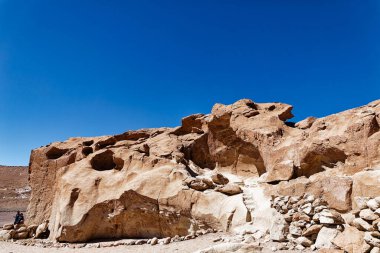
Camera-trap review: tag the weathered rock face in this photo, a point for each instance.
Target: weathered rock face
(159, 182)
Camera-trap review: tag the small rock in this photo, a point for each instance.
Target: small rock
(154, 241)
(361, 202)
(373, 204)
(229, 189)
(304, 241)
(361, 224)
(314, 229)
(318, 209)
(219, 179)
(375, 242)
(368, 214)
(375, 250)
(300, 247)
(295, 230)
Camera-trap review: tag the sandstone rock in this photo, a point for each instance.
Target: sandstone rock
(8, 226)
(42, 228)
(279, 229)
(6, 234)
(304, 241)
(365, 184)
(373, 204)
(325, 237)
(218, 178)
(351, 240)
(300, 247)
(21, 235)
(312, 230)
(361, 224)
(306, 123)
(295, 230)
(300, 216)
(375, 250)
(149, 182)
(329, 216)
(368, 214)
(229, 189)
(198, 184)
(373, 241)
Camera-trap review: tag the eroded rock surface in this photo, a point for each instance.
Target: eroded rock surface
(161, 182)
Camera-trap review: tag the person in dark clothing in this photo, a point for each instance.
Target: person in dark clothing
(19, 218)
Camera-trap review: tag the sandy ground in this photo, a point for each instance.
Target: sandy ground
(180, 247)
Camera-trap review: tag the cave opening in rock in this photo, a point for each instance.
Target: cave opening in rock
(103, 161)
(87, 150)
(55, 153)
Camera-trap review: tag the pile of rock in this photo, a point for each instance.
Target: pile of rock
(367, 219)
(306, 222)
(217, 181)
(22, 231)
(19, 231)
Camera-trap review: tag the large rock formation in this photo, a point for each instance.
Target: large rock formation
(159, 182)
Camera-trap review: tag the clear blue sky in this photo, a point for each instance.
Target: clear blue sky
(88, 68)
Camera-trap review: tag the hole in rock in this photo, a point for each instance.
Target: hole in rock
(105, 143)
(74, 196)
(290, 124)
(87, 150)
(88, 143)
(103, 161)
(55, 153)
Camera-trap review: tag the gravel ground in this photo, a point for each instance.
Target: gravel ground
(180, 247)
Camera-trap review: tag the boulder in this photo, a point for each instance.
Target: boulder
(351, 240)
(365, 184)
(218, 178)
(325, 237)
(278, 229)
(6, 234)
(8, 226)
(229, 189)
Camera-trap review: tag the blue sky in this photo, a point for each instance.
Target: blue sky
(87, 68)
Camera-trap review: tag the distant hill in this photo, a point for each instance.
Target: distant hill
(14, 189)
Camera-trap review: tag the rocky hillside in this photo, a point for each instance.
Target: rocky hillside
(216, 171)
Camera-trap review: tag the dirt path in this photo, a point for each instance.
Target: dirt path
(180, 247)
